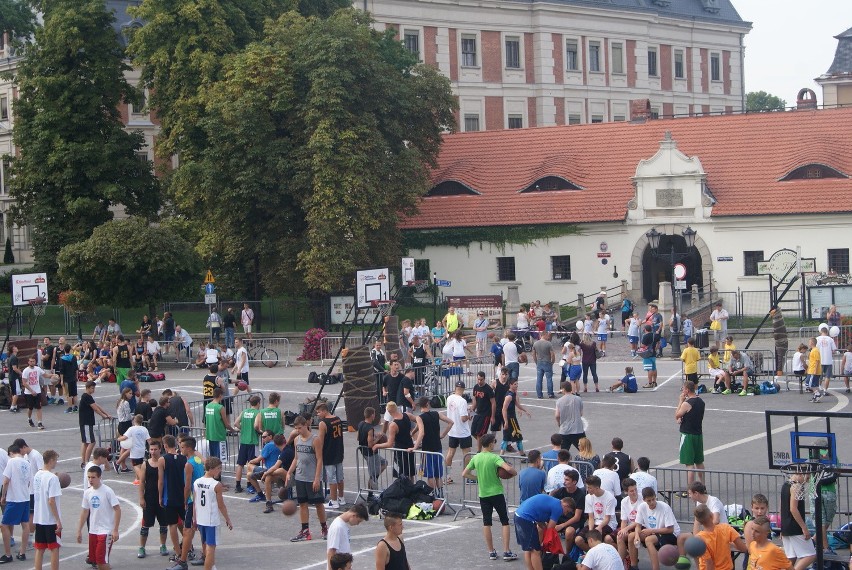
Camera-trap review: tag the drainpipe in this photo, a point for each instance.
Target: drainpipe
(742, 73)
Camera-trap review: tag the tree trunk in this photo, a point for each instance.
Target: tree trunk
(317, 303)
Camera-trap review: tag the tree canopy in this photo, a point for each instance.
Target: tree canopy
(763, 101)
(17, 18)
(128, 263)
(76, 162)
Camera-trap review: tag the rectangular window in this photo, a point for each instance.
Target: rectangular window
(4, 108)
(505, 269)
(412, 42)
(750, 259)
(468, 45)
(572, 60)
(143, 102)
(619, 117)
(617, 58)
(594, 56)
(652, 62)
(574, 119)
(560, 267)
(516, 122)
(655, 112)
(715, 67)
(471, 122)
(513, 53)
(597, 118)
(678, 61)
(838, 261)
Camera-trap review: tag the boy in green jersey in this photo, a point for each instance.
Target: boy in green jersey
(270, 418)
(217, 423)
(248, 439)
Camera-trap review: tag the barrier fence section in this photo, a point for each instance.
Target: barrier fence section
(375, 472)
(440, 379)
(329, 347)
(733, 487)
(269, 352)
(237, 404)
(762, 360)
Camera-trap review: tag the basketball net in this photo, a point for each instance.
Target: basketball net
(38, 307)
(384, 307)
(804, 478)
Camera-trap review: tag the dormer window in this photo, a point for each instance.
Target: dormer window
(451, 188)
(549, 184)
(812, 172)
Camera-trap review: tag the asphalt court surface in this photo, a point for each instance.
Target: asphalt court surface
(734, 435)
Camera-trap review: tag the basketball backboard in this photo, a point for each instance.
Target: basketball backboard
(371, 285)
(29, 287)
(800, 436)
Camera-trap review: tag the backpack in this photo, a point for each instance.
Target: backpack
(438, 401)
(841, 538)
(767, 387)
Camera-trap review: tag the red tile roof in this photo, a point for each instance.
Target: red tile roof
(743, 155)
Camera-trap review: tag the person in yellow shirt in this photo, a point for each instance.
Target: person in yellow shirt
(451, 321)
(762, 554)
(814, 367)
(715, 371)
(727, 349)
(690, 357)
(718, 538)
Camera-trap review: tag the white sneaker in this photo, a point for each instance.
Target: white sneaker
(332, 505)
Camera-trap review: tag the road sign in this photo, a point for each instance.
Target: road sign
(680, 284)
(210, 299)
(209, 278)
(679, 270)
(442, 283)
(209, 288)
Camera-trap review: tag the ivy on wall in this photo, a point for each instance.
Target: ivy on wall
(497, 236)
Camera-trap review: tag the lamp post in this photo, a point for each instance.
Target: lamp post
(672, 257)
(434, 297)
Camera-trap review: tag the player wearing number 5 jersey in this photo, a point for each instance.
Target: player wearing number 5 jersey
(209, 508)
(331, 443)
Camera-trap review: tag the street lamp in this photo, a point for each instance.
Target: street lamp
(654, 237)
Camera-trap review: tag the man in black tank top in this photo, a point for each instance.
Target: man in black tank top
(331, 437)
(122, 360)
(149, 500)
(399, 437)
(173, 506)
(390, 551)
(690, 416)
(429, 439)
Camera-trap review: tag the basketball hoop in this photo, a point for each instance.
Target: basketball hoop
(38, 307)
(804, 477)
(384, 307)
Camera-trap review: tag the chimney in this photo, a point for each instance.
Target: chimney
(806, 99)
(640, 110)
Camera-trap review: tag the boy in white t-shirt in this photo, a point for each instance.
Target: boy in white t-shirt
(16, 498)
(846, 366)
(600, 509)
(827, 347)
(629, 507)
(100, 458)
(151, 357)
(138, 435)
(208, 507)
(698, 493)
(609, 478)
(656, 526)
(48, 523)
(601, 556)
(32, 379)
(101, 508)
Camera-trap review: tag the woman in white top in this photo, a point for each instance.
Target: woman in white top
(523, 320)
(846, 366)
(459, 346)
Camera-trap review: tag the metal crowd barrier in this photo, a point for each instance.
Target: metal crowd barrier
(763, 360)
(837, 370)
(106, 432)
(329, 347)
(376, 473)
(733, 487)
(238, 404)
(261, 350)
(440, 379)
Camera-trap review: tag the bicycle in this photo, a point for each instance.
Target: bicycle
(259, 352)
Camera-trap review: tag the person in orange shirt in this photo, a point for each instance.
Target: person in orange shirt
(718, 537)
(762, 554)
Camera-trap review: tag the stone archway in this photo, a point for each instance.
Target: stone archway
(637, 268)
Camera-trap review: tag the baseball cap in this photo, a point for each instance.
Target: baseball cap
(460, 384)
(408, 367)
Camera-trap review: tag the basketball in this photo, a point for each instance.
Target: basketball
(490, 336)
(694, 546)
(125, 444)
(668, 555)
(282, 493)
(503, 474)
(437, 505)
(289, 507)
(242, 386)
(381, 438)
(64, 479)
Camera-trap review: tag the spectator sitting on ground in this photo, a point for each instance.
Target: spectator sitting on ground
(627, 384)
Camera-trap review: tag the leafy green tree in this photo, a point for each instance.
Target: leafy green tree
(322, 8)
(8, 256)
(127, 263)
(763, 101)
(17, 18)
(319, 137)
(76, 161)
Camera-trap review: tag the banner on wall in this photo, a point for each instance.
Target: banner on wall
(468, 306)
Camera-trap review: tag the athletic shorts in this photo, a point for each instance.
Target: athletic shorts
(719, 336)
(375, 465)
(33, 401)
(72, 388)
(572, 439)
(463, 442)
(602, 337)
(170, 515)
(797, 547)
(607, 531)
(691, 449)
(247, 452)
(305, 493)
(32, 505)
(433, 466)
(633, 339)
(152, 513)
(87, 434)
(664, 539)
(243, 376)
(208, 534)
(693, 377)
(257, 472)
(649, 364)
(247, 329)
(45, 537)
(479, 425)
(99, 548)
(827, 370)
(526, 533)
(136, 462)
(491, 504)
(16, 513)
(333, 473)
(574, 372)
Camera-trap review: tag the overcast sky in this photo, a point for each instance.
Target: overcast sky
(791, 43)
